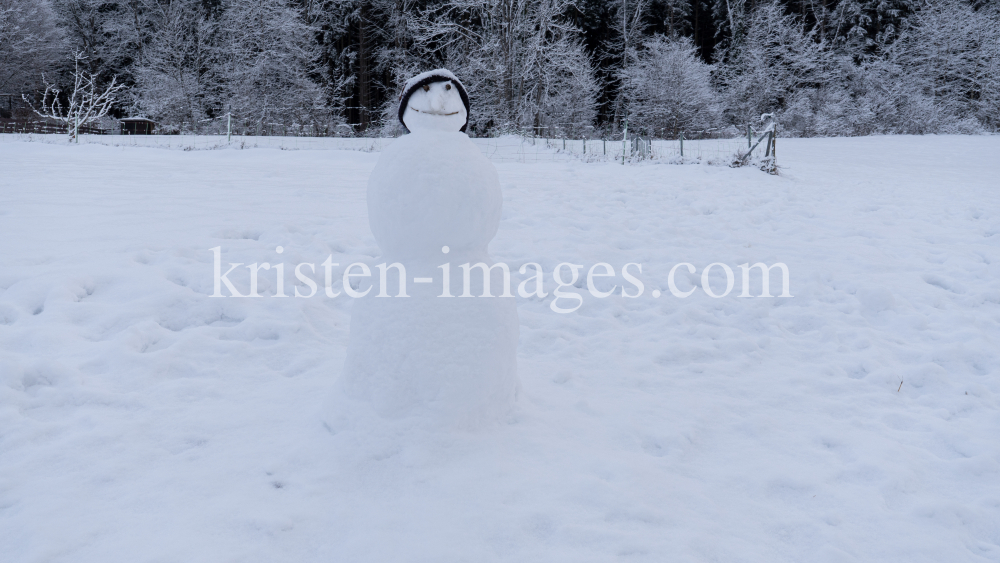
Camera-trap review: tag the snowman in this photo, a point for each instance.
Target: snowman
(434, 204)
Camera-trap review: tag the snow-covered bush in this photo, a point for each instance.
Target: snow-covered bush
(668, 88)
(937, 71)
(761, 71)
(828, 111)
(891, 100)
(950, 54)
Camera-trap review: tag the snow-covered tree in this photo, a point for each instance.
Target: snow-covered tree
(177, 72)
(268, 58)
(826, 67)
(566, 97)
(867, 24)
(731, 18)
(30, 43)
(828, 107)
(521, 61)
(951, 54)
(384, 54)
(85, 25)
(630, 22)
(939, 75)
(675, 17)
(669, 88)
(774, 60)
(85, 104)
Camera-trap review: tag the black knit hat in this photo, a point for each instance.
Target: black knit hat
(429, 77)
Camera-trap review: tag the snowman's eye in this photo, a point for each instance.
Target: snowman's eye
(427, 88)
(447, 86)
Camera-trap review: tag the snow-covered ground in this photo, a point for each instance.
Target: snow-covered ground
(142, 420)
(509, 148)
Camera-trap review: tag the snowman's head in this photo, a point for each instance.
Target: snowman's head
(434, 101)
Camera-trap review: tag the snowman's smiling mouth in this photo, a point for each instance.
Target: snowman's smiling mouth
(432, 112)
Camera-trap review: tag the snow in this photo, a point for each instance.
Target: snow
(507, 148)
(856, 421)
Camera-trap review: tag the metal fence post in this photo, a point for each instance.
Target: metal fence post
(682, 143)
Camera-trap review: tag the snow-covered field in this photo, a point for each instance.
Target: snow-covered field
(509, 148)
(142, 420)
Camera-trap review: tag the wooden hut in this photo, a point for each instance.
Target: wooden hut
(137, 126)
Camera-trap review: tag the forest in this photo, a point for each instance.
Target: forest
(578, 69)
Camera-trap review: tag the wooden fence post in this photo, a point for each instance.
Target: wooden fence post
(774, 146)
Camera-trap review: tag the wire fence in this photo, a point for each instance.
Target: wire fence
(45, 127)
(508, 148)
(638, 149)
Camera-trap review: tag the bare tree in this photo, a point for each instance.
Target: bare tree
(85, 104)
